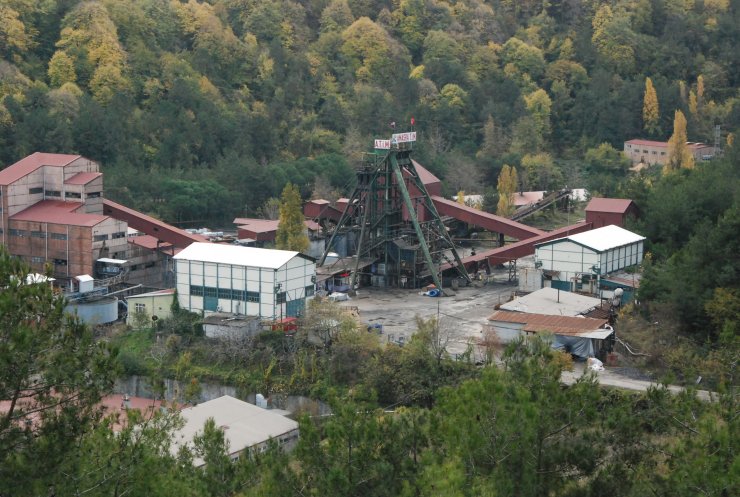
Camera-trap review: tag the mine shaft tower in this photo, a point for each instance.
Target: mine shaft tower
(395, 224)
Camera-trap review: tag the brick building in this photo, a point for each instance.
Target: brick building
(53, 214)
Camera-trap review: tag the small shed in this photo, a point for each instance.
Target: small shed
(577, 261)
(220, 325)
(580, 336)
(150, 306)
(602, 212)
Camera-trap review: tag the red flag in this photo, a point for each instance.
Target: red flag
(413, 121)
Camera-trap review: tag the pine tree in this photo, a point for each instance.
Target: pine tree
(679, 155)
(650, 110)
(291, 233)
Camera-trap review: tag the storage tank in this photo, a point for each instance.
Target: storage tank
(102, 311)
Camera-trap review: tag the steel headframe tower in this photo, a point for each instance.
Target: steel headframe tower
(382, 216)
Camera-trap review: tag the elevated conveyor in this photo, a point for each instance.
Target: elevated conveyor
(523, 248)
(488, 221)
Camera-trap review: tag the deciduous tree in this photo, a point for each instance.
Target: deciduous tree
(679, 155)
(650, 109)
(507, 185)
(291, 233)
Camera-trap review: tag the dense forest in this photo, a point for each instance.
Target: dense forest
(202, 110)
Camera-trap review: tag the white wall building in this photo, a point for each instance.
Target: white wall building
(245, 426)
(574, 261)
(271, 284)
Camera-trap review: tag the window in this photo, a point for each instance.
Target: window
(252, 297)
(15, 232)
(53, 193)
(100, 238)
(644, 151)
(37, 260)
(60, 262)
(196, 290)
(140, 308)
(119, 255)
(58, 236)
(93, 195)
(210, 292)
(34, 191)
(38, 234)
(1, 231)
(72, 195)
(120, 234)
(662, 153)
(655, 153)
(309, 291)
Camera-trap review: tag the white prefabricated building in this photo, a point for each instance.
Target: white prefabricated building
(271, 284)
(597, 252)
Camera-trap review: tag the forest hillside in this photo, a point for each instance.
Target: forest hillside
(203, 110)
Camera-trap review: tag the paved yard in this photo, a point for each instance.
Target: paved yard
(462, 315)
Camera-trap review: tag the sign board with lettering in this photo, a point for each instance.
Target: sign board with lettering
(383, 144)
(404, 137)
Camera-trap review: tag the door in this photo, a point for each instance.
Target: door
(210, 303)
(294, 308)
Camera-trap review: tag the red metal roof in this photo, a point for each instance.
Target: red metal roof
(149, 242)
(29, 164)
(426, 177)
(657, 144)
(58, 212)
(562, 325)
(257, 225)
(619, 205)
(82, 178)
(647, 143)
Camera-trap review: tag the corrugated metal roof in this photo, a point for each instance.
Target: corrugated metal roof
(238, 255)
(82, 178)
(541, 323)
(167, 291)
(148, 242)
(426, 176)
(608, 237)
(648, 143)
(29, 164)
(600, 239)
(58, 212)
(619, 205)
(657, 144)
(553, 302)
(244, 425)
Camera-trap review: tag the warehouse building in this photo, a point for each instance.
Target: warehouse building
(271, 284)
(246, 427)
(576, 262)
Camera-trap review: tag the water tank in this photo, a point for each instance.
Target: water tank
(100, 311)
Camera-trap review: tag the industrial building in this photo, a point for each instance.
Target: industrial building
(246, 427)
(53, 214)
(271, 284)
(576, 262)
(655, 152)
